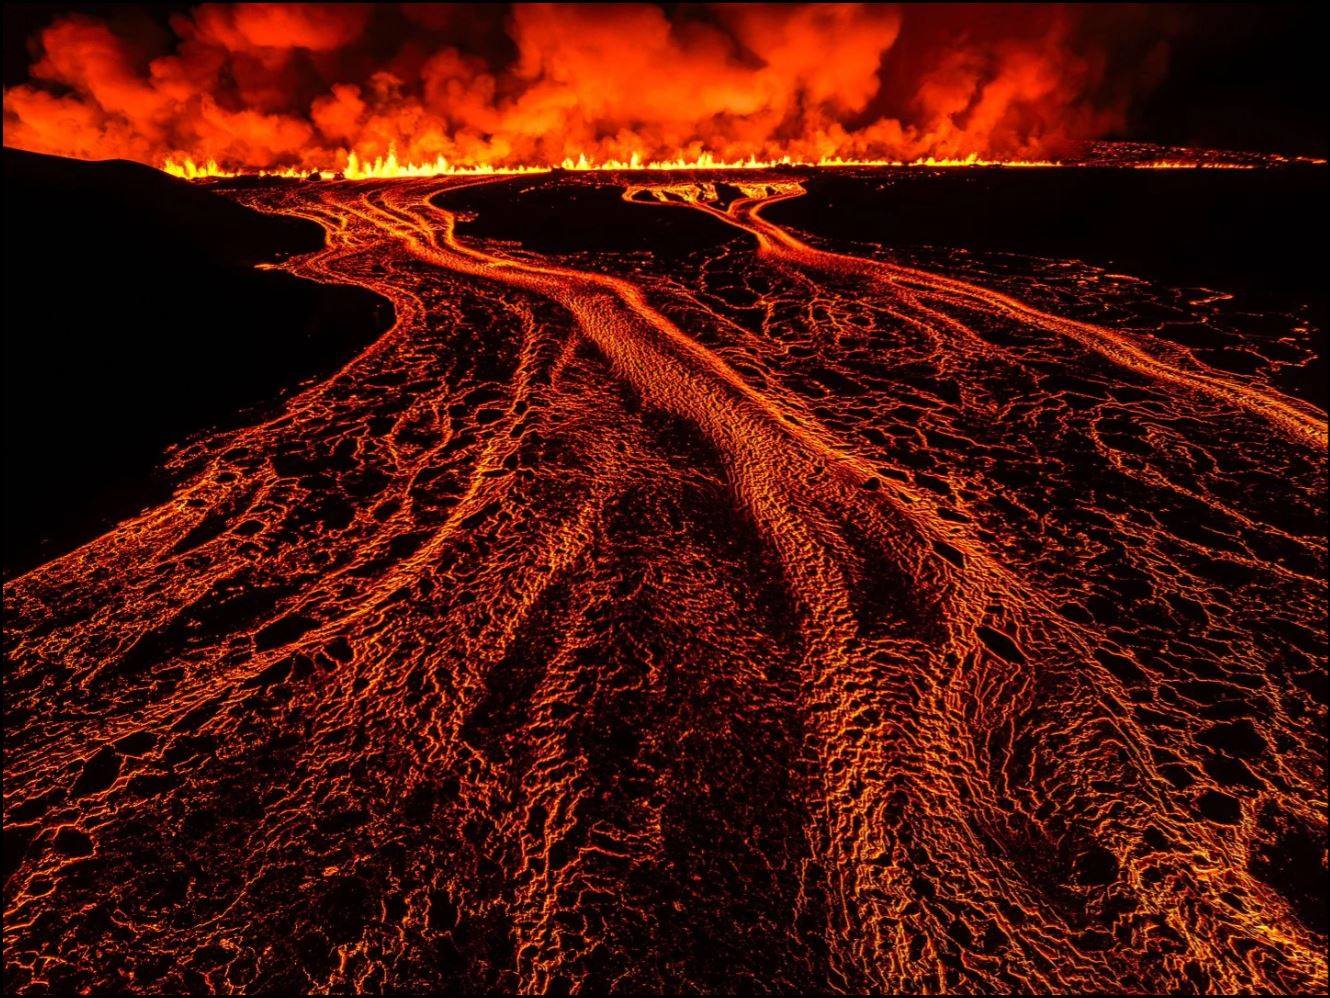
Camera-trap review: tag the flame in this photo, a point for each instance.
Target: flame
(1185, 164)
(390, 166)
(380, 167)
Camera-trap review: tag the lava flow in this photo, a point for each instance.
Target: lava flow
(772, 615)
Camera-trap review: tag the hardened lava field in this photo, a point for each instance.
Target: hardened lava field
(685, 599)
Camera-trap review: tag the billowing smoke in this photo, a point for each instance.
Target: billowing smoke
(276, 85)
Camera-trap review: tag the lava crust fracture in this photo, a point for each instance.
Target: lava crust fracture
(771, 616)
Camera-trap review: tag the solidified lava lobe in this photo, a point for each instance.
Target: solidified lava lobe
(776, 616)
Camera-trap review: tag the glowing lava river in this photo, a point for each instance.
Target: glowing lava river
(768, 616)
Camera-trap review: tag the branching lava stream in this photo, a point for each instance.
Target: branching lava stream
(787, 618)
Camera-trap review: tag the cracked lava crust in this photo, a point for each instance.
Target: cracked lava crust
(783, 614)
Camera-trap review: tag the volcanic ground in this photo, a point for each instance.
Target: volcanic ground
(769, 581)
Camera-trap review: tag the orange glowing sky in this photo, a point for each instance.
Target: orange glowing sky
(263, 86)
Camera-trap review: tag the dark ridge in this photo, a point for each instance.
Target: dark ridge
(1247, 232)
(133, 319)
(547, 214)
(1225, 229)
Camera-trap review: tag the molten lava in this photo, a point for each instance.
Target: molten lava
(779, 616)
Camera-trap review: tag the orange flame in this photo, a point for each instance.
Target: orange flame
(384, 167)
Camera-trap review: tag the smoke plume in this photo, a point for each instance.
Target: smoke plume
(304, 85)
